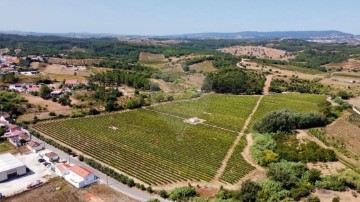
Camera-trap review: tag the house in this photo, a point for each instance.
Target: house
(17, 51)
(14, 130)
(56, 92)
(29, 73)
(16, 140)
(4, 116)
(71, 83)
(62, 169)
(34, 146)
(32, 89)
(76, 175)
(17, 87)
(51, 156)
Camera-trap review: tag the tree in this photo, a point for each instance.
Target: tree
(22, 142)
(163, 194)
(45, 92)
(182, 193)
(248, 191)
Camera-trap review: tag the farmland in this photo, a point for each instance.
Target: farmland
(227, 111)
(154, 148)
(237, 166)
(293, 101)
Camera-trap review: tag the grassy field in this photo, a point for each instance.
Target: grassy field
(294, 101)
(5, 147)
(227, 111)
(155, 148)
(237, 167)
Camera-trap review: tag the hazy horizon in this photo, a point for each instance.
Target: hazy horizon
(160, 17)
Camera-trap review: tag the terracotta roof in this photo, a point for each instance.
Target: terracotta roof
(24, 136)
(33, 144)
(63, 167)
(33, 89)
(81, 171)
(51, 154)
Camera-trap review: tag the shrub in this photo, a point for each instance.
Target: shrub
(248, 191)
(130, 182)
(52, 114)
(93, 111)
(163, 194)
(81, 158)
(182, 193)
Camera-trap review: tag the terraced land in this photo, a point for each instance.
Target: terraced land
(237, 167)
(227, 111)
(294, 101)
(154, 148)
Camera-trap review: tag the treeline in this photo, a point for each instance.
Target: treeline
(234, 81)
(219, 60)
(124, 66)
(295, 84)
(13, 103)
(134, 79)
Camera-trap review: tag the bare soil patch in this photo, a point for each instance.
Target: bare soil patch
(349, 64)
(327, 168)
(58, 190)
(328, 195)
(152, 58)
(355, 102)
(61, 69)
(43, 113)
(257, 51)
(345, 132)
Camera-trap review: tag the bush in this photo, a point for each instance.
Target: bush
(163, 194)
(287, 120)
(130, 182)
(182, 193)
(248, 191)
(313, 199)
(93, 111)
(81, 158)
(52, 114)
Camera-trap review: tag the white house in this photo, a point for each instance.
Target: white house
(3, 122)
(32, 89)
(34, 146)
(17, 87)
(51, 156)
(29, 73)
(76, 175)
(56, 92)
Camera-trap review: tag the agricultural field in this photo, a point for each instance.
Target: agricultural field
(294, 101)
(237, 167)
(227, 111)
(206, 66)
(257, 51)
(151, 147)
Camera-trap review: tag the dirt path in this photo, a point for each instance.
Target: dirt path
(246, 153)
(267, 84)
(236, 142)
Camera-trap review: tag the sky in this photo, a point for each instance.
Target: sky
(163, 17)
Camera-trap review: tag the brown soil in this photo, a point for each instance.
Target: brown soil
(257, 51)
(327, 168)
(343, 130)
(328, 195)
(58, 190)
(149, 57)
(60, 69)
(355, 102)
(349, 64)
(50, 105)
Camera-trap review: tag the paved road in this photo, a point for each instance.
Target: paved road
(124, 189)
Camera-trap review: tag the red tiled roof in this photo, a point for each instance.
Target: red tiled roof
(33, 144)
(24, 136)
(81, 171)
(51, 154)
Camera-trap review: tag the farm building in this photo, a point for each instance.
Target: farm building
(29, 73)
(34, 146)
(51, 156)
(10, 166)
(76, 175)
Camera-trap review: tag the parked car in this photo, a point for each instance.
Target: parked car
(41, 160)
(46, 164)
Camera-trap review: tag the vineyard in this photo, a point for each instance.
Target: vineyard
(154, 148)
(227, 111)
(237, 167)
(294, 101)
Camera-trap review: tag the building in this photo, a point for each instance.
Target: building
(29, 73)
(71, 83)
(34, 146)
(33, 89)
(17, 87)
(76, 175)
(56, 92)
(51, 156)
(3, 122)
(10, 166)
